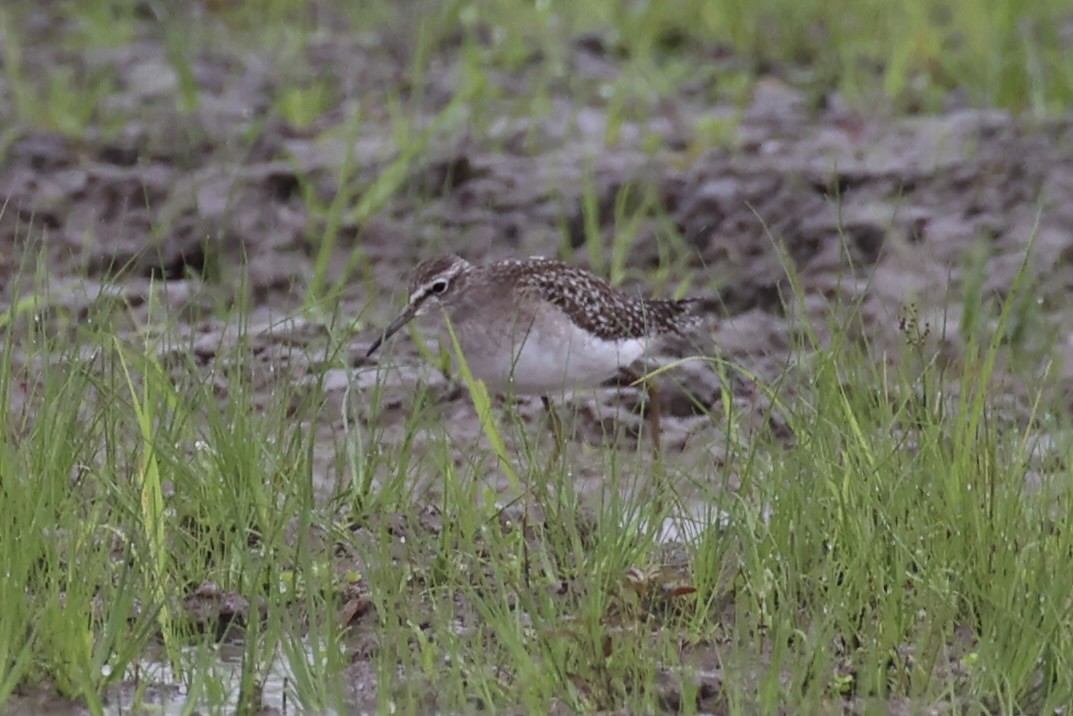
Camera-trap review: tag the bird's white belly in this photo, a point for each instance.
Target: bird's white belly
(549, 357)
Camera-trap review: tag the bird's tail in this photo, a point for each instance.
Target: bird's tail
(681, 316)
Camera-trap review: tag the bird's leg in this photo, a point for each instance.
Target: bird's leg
(558, 436)
(657, 489)
(556, 430)
(631, 376)
(652, 390)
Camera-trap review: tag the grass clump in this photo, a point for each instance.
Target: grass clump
(890, 551)
(914, 56)
(895, 552)
(137, 509)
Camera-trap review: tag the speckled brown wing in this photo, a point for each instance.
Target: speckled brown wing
(594, 305)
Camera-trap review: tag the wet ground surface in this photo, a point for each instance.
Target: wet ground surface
(873, 215)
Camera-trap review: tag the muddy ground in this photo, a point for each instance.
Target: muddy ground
(873, 214)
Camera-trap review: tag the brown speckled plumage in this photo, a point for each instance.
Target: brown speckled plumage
(587, 300)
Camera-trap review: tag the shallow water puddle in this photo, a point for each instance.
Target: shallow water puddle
(215, 684)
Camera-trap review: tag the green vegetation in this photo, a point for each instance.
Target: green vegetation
(891, 551)
(910, 55)
(162, 537)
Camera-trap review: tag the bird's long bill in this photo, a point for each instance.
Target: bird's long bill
(392, 329)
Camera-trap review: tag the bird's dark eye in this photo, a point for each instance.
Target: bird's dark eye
(438, 286)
